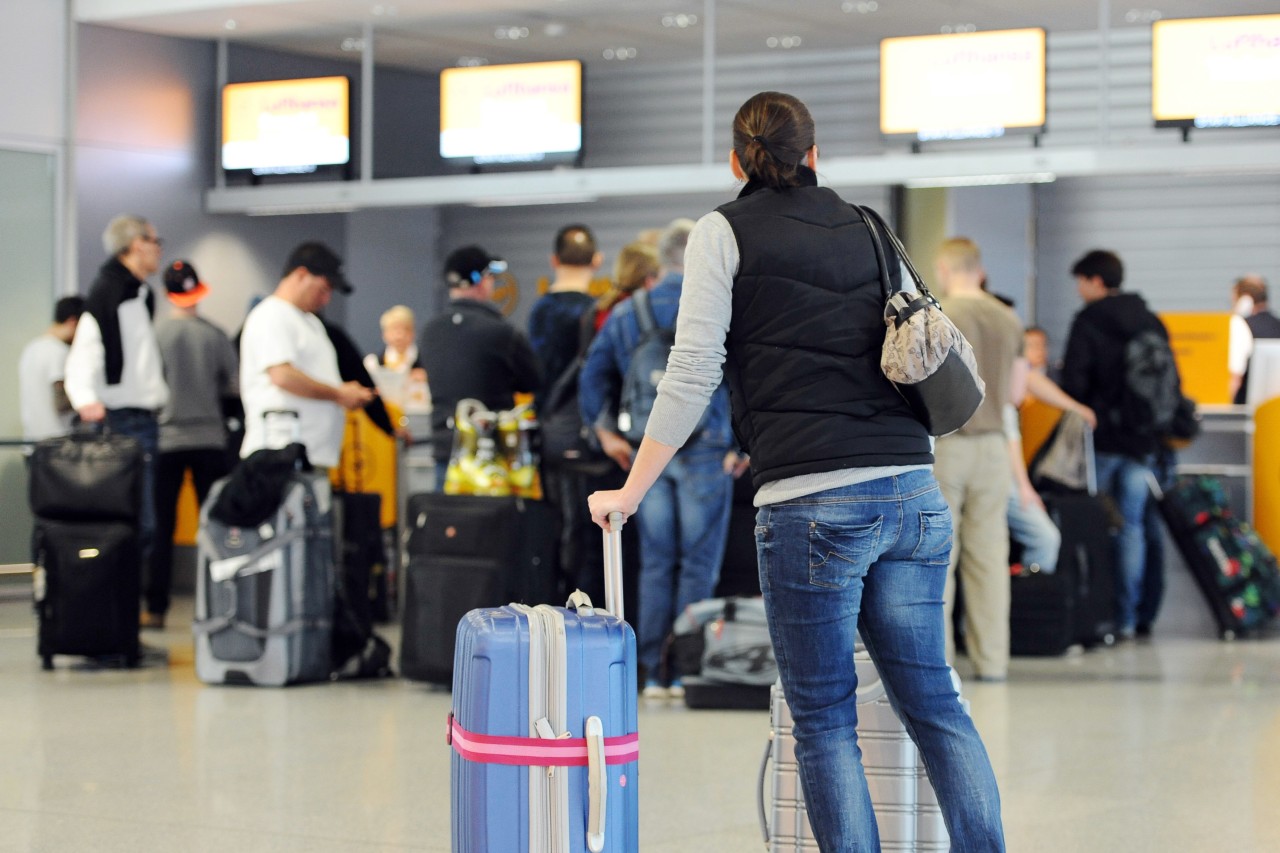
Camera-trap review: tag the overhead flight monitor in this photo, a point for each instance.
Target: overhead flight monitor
(1216, 72)
(963, 86)
(526, 113)
(286, 126)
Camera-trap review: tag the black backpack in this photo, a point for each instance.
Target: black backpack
(1152, 391)
(567, 442)
(647, 367)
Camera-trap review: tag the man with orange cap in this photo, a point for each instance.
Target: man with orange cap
(200, 367)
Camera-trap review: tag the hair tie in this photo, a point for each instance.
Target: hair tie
(764, 143)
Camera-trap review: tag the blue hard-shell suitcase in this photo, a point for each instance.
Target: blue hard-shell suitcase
(543, 727)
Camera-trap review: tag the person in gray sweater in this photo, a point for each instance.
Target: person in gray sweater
(200, 367)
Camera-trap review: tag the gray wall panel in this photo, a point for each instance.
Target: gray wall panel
(524, 235)
(1183, 241)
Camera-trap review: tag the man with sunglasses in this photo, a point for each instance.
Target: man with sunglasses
(114, 372)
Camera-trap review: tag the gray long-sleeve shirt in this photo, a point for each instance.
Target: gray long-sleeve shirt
(696, 365)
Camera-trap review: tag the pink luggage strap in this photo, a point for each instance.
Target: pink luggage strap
(537, 752)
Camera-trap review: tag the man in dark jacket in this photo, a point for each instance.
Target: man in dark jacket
(470, 351)
(1093, 372)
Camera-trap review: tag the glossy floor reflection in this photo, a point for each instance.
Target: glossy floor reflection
(1172, 745)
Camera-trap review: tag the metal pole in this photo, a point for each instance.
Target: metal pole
(1104, 71)
(221, 70)
(366, 106)
(708, 81)
(66, 253)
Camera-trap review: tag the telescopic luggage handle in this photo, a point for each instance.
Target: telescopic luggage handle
(613, 566)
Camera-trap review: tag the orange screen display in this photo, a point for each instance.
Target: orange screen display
(962, 86)
(285, 124)
(511, 113)
(1216, 72)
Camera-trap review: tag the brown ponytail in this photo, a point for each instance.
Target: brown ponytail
(772, 133)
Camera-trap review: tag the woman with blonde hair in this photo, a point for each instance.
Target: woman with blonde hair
(636, 267)
(398, 368)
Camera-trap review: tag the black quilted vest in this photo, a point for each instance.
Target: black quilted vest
(804, 344)
(1262, 325)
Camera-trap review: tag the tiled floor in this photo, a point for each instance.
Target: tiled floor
(1172, 745)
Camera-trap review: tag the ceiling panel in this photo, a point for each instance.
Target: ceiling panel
(433, 34)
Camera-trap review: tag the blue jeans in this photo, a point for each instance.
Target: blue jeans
(684, 523)
(1033, 529)
(1125, 479)
(871, 559)
(1148, 609)
(142, 425)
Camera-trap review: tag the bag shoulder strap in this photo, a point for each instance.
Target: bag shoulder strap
(886, 286)
(873, 219)
(644, 313)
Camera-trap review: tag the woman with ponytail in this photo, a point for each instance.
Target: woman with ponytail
(782, 295)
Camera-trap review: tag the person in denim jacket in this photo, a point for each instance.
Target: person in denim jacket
(685, 521)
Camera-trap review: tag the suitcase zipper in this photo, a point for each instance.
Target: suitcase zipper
(548, 790)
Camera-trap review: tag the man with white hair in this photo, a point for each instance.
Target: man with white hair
(114, 372)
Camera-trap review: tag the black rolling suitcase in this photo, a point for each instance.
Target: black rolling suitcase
(467, 552)
(1049, 613)
(87, 589)
(740, 570)
(85, 490)
(1234, 569)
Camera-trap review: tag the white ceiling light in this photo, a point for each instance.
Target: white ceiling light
(230, 24)
(554, 30)
(679, 20)
(352, 45)
(783, 42)
(383, 9)
(512, 33)
(471, 61)
(863, 7)
(1142, 16)
(982, 180)
(619, 53)
(958, 28)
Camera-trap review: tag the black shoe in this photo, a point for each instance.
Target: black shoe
(152, 656)
(1142, 632)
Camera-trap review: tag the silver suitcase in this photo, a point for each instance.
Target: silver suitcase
(906, 809)
(265, 595)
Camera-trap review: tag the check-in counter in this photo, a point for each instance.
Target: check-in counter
(1224, 449)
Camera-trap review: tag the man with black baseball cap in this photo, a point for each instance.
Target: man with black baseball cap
(287, 363)
(469, 350)
(319, 260)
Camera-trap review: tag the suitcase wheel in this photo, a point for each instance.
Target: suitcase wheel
(46, 662)
(1227, 635)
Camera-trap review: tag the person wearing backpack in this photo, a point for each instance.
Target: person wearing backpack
(685, 522)
(1118, 362)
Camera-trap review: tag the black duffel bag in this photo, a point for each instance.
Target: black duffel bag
(87, 477)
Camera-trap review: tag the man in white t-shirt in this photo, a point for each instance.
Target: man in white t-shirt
(287, 363)
(46, 411)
